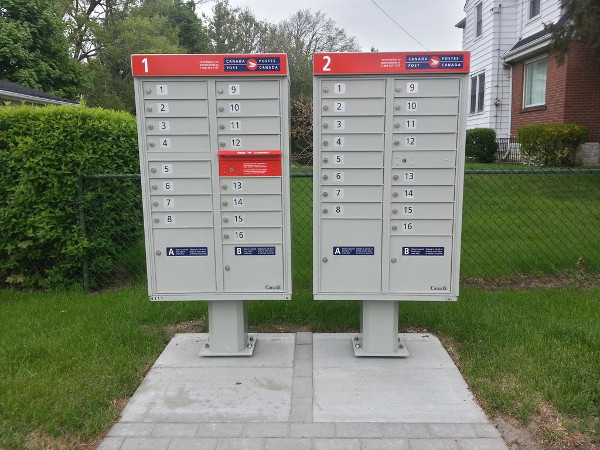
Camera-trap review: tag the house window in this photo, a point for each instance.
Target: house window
(534, 8)
(534, 89)
(479, 20)
(477, 93)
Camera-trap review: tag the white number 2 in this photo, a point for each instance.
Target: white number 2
(327, 60)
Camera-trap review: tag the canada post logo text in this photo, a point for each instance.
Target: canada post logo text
(434, 62)
(270, 64)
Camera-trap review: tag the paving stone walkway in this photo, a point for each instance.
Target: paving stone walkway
(300, 392)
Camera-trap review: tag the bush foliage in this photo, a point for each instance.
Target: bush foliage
(481, 145)
(552, 145)
(43, 152)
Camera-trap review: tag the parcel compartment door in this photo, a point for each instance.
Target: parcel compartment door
(184, 260)
(350, 255)
(253, 268)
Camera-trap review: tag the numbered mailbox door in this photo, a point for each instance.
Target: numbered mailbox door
(184, 260)
(253, 268)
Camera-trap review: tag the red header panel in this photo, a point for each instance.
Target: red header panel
(208, 65)
(250, 163)
(405, 62)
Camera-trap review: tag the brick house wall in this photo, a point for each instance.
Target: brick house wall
(572, 93)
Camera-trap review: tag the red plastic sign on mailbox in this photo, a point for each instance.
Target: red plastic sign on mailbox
(257, 163)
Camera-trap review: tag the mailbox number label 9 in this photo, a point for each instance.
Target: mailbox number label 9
(234, 89)
(412, 87)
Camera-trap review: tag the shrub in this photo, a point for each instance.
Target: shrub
(480, 145)
(43, 152)
(552, 145)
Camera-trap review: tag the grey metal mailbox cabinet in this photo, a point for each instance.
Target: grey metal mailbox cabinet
(214, 155)
(389, 133)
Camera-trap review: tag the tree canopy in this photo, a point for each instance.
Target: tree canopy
(582, 22)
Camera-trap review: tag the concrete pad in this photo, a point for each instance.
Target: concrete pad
(184, 387)
(424, 388)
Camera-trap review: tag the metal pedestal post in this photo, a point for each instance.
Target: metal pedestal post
(379, 331)
(228, 330)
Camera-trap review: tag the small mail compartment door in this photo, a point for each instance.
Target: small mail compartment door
(242, 108)
(425, 124)
(350, 256)
(254, 185)
(426, 106)
(353, 107)
(348, 210)
(421, 264)
(251, 219)
(176, 144)
(430, 159)
(177, 126)
(249, 142)
(433, 141)
(423, 176)
(166, 203)
(422, 227)
(352, 88)
(352, 176)
(351, 142)
(182, 219)
(180, 169)
(422, 210)
(248, 235)
(362, 160)
(351, 194)
(423, 193)
(176, 108)
(184, 260)
(366, 124)
(250, 163)
(253, 268)
(251, 202)
(430, 87)
(249, 125)
(163, 89)
(180, 186)
(247, 89)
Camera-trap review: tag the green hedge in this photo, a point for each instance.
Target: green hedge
(43, 152)
(552, 145)
(480, 145)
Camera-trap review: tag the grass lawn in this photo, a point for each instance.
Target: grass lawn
(67, 359)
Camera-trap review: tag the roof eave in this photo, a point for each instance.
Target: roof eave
(526, 51)
(10, 96)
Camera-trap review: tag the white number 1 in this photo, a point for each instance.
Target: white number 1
(145, 61)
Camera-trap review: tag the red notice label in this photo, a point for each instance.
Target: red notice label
(400, 62)
(206, 65)
(250, 163)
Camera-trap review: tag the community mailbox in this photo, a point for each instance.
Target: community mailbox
(214, 149)
(388, 179)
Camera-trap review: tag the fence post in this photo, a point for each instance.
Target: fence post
(85, 266)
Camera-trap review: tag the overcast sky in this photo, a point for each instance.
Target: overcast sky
(431, 22)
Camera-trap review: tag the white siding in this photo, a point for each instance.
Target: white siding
(550, 12)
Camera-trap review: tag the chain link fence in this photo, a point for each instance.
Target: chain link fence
(514, 222)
